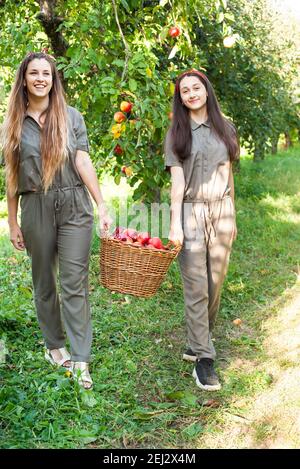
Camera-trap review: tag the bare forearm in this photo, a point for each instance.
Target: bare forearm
(231, 185)
(177, 192)
(88, 175)
(176, 203)
(12, 209)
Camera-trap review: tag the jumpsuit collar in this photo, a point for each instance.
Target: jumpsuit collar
(195, 125)
(28, 116)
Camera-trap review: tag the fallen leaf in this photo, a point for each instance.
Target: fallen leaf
(211, 403)
(237, 322)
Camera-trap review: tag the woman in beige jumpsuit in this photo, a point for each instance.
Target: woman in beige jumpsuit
(47, 164)
(199, 149)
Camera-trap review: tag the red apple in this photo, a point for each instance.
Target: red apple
(131, 233)
(118, 232)
(156, 242)
(143, 238)
(137, 243)
(174, 31)
(118, 150)
(126, 106)
(119, 117)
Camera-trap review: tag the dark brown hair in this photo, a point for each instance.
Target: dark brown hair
(181, 133)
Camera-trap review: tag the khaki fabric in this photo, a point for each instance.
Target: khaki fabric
(208, 221)
(30, 169)
(57, 229)
(203, 263)
(206, 171)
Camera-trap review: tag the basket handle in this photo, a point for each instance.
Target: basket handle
(176, 245)
(104, 233)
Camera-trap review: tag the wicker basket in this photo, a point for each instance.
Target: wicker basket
(135, 270)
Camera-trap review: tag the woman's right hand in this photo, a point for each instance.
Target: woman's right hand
(16, 237)
(176, 234)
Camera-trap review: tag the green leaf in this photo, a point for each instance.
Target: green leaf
(220, 17)
(88, 439)
(132, 85)
(117, 179)
(146, 415)
(185, 397)
(118, 62)
(89, 400)
(125, 5)
(193, 430)
(229, 17)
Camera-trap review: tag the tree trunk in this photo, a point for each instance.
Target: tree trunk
(288, 141)
(50, 23)
(157, 195)
(274, 144)
(259, 151)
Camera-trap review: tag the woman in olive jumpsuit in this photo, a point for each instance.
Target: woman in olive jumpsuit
(199, 150)
(47, 165)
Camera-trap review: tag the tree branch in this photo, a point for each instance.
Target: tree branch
(50, 23)
(127, 50)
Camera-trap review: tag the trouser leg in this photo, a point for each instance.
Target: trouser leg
(74, 240)
(218, 254)
(39, 230)
(194, 275)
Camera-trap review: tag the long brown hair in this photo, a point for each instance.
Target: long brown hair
(53, 134)
(181, 127)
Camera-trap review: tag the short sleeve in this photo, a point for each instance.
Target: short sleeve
(81, 133)
(170, 158)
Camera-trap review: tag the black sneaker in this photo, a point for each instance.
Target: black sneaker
(189, 355)
(205, 375)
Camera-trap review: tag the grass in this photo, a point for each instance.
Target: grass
(144, 395)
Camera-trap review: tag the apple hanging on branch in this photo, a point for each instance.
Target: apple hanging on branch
(127, 171)
(126, 106)
(118, 150)
(174, 31)
(119, 117)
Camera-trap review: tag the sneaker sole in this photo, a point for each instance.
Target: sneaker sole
(206, 387)
(189, 358)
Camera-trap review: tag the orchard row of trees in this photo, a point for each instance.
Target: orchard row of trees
(111, 51)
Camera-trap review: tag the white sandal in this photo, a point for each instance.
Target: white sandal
(65, 357)
(80, 371)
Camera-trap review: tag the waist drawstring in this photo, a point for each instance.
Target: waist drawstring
(208, 215)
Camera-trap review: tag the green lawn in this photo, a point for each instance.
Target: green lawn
(144, 395)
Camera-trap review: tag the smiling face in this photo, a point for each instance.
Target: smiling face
(38, 78)
(193, 93)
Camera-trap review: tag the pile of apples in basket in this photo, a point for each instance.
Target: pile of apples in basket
(143, 239)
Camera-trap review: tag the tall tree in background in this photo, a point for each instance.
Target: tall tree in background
(125, 50)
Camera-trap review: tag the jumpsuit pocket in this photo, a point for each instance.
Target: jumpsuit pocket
(192, 227)
(29, 174)
(83, 211)
(28, 219)
(87, 203)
